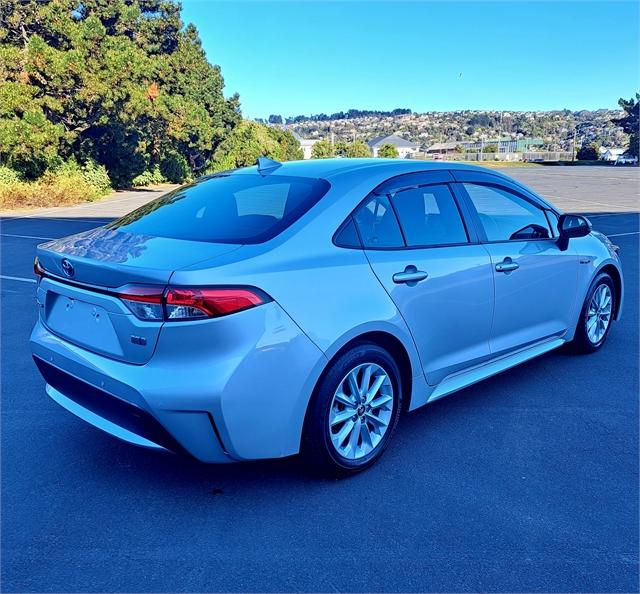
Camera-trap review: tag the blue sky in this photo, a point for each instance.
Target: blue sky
(307, 57)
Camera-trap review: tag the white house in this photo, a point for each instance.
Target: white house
(610, 154)
(406, 148)
(305, 144)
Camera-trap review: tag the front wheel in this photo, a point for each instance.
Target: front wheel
(596, 315)
(354, 411)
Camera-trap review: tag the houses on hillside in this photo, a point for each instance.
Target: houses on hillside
(555, 128)
(505, 148)
(406, 149)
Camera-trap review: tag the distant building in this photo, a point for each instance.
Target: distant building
(503, 145)
(444, 148)
(610, 154)
(519, 146)
(406, 148)
(305, 144)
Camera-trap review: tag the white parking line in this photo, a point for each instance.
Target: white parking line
(558, 198)
(97, 220)
(18, 278)
(26, 236)
(621, 234)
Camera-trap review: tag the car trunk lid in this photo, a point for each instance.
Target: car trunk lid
(83, 274)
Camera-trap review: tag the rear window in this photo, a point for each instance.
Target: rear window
(227, 209)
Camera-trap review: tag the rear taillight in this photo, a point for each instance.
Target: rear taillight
(37, 269)
(189, 303)
(145, 302)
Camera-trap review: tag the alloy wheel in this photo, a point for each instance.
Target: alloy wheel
(361, 411)
(599, 313)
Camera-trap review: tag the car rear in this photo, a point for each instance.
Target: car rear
(172, 366)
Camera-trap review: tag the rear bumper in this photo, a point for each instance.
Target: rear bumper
(233, 388)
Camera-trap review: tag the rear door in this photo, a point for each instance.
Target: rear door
(535, 281)
(433, 268)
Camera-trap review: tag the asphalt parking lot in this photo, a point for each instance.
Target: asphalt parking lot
(525, 482)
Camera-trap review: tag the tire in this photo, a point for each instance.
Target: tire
(334, 409)
(585, 339)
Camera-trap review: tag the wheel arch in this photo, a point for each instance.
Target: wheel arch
(387, 340)
(616, 277)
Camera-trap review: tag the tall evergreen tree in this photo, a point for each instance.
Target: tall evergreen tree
(250, 140)
(630, 123)
(121, 81)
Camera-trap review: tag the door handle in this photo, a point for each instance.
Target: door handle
(507, 265)
(411, 276)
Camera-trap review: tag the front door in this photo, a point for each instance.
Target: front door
(535, 281)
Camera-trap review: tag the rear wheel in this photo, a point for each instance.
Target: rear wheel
(596, 315)
(354, 411)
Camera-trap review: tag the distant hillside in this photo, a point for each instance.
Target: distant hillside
(555, 128)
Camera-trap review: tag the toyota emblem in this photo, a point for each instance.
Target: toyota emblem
(67, 267)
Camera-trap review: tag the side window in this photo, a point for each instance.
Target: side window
(377, 224)
(429, 216)
(505, 216)
(347, 236)
(554, 220)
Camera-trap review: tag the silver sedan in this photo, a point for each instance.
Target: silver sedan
(304, 306)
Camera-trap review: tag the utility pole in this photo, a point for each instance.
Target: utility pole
(573, 150)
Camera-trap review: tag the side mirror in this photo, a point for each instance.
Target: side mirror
(570, 225)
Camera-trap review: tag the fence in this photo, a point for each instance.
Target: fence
(529, 157)
(548, 156)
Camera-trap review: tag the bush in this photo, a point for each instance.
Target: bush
(358, 149)
(8, 175)
(93, 174)
(66, 182)
(54, 188)
(175, 168)
(588, 152)
(388, 151)
(323, 149)
(97, 176)
(148, 178)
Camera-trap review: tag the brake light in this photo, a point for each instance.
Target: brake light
(37, 269)
(189, 303)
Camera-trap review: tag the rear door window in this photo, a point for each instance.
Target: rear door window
(429, 216)
(240, 208)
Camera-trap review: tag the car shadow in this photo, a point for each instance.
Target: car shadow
(169, 470)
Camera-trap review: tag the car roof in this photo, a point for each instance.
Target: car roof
(331, 168)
